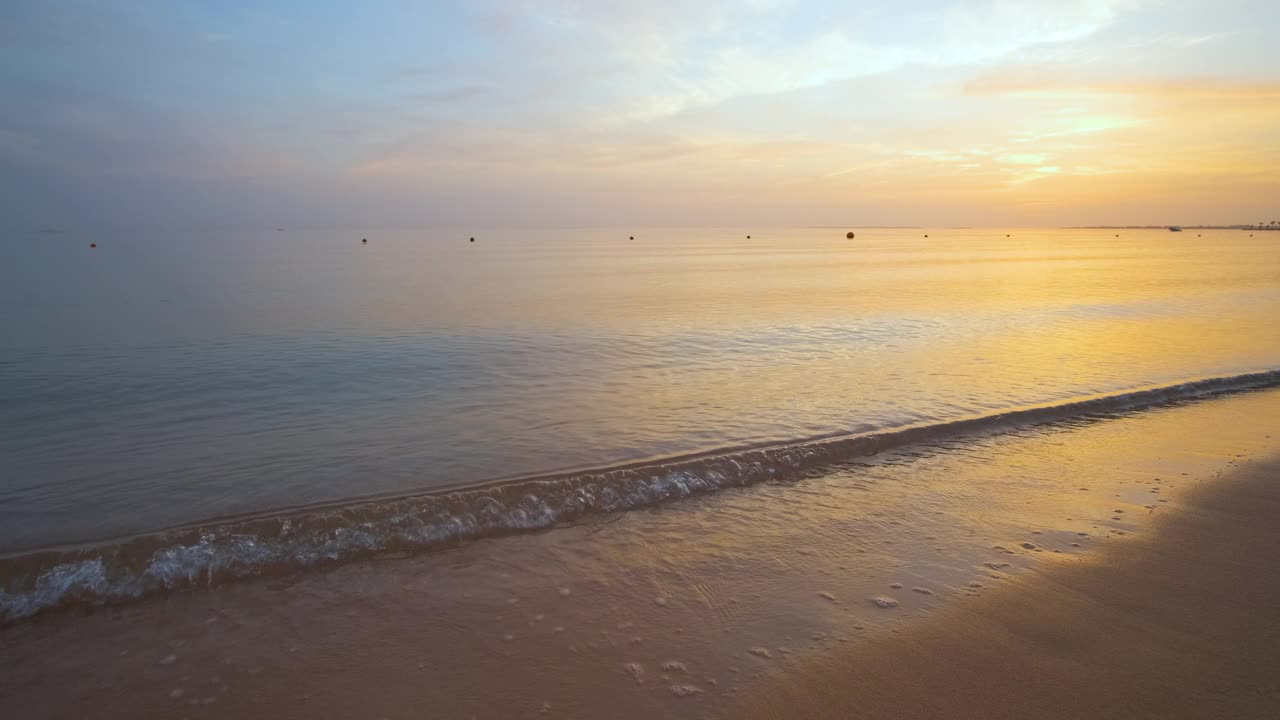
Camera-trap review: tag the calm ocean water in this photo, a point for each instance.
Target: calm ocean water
(170, 378)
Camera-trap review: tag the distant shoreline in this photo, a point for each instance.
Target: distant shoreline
(1251, 228)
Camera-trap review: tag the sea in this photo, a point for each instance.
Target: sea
(179, 408)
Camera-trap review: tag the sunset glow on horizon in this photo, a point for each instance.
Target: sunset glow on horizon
(573, 112)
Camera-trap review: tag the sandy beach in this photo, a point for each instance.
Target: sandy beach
(1179, 624)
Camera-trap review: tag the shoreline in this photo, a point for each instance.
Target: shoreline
(714, 607)
(1181, 623)
(303, 538)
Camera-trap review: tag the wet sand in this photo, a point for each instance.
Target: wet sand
(1109, 566)
(1184, 623)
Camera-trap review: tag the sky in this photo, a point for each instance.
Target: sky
(657, 112)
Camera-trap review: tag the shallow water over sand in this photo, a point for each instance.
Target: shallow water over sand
(162, 379)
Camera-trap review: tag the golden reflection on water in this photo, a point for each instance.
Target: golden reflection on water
(681, 278)
(891, 327)
(257, 373)
(701, 337)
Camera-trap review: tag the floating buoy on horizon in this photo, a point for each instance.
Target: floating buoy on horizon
(93, 245)
(849, 235)
(926, 234)
(631, 237)
(473, 239)
(748, 237)
(364, 241)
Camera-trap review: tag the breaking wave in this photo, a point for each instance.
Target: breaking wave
(323, 535)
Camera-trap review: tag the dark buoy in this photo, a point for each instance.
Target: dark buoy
(926, 234)
(1008, 236)
(1117, 234)
(748, 237)
(473, 239)
(93, 245)
(632, 237)
(849, 235)
(364, 241)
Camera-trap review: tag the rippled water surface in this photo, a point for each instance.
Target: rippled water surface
(167, 378)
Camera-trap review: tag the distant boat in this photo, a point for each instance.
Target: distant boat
(1174, 228)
